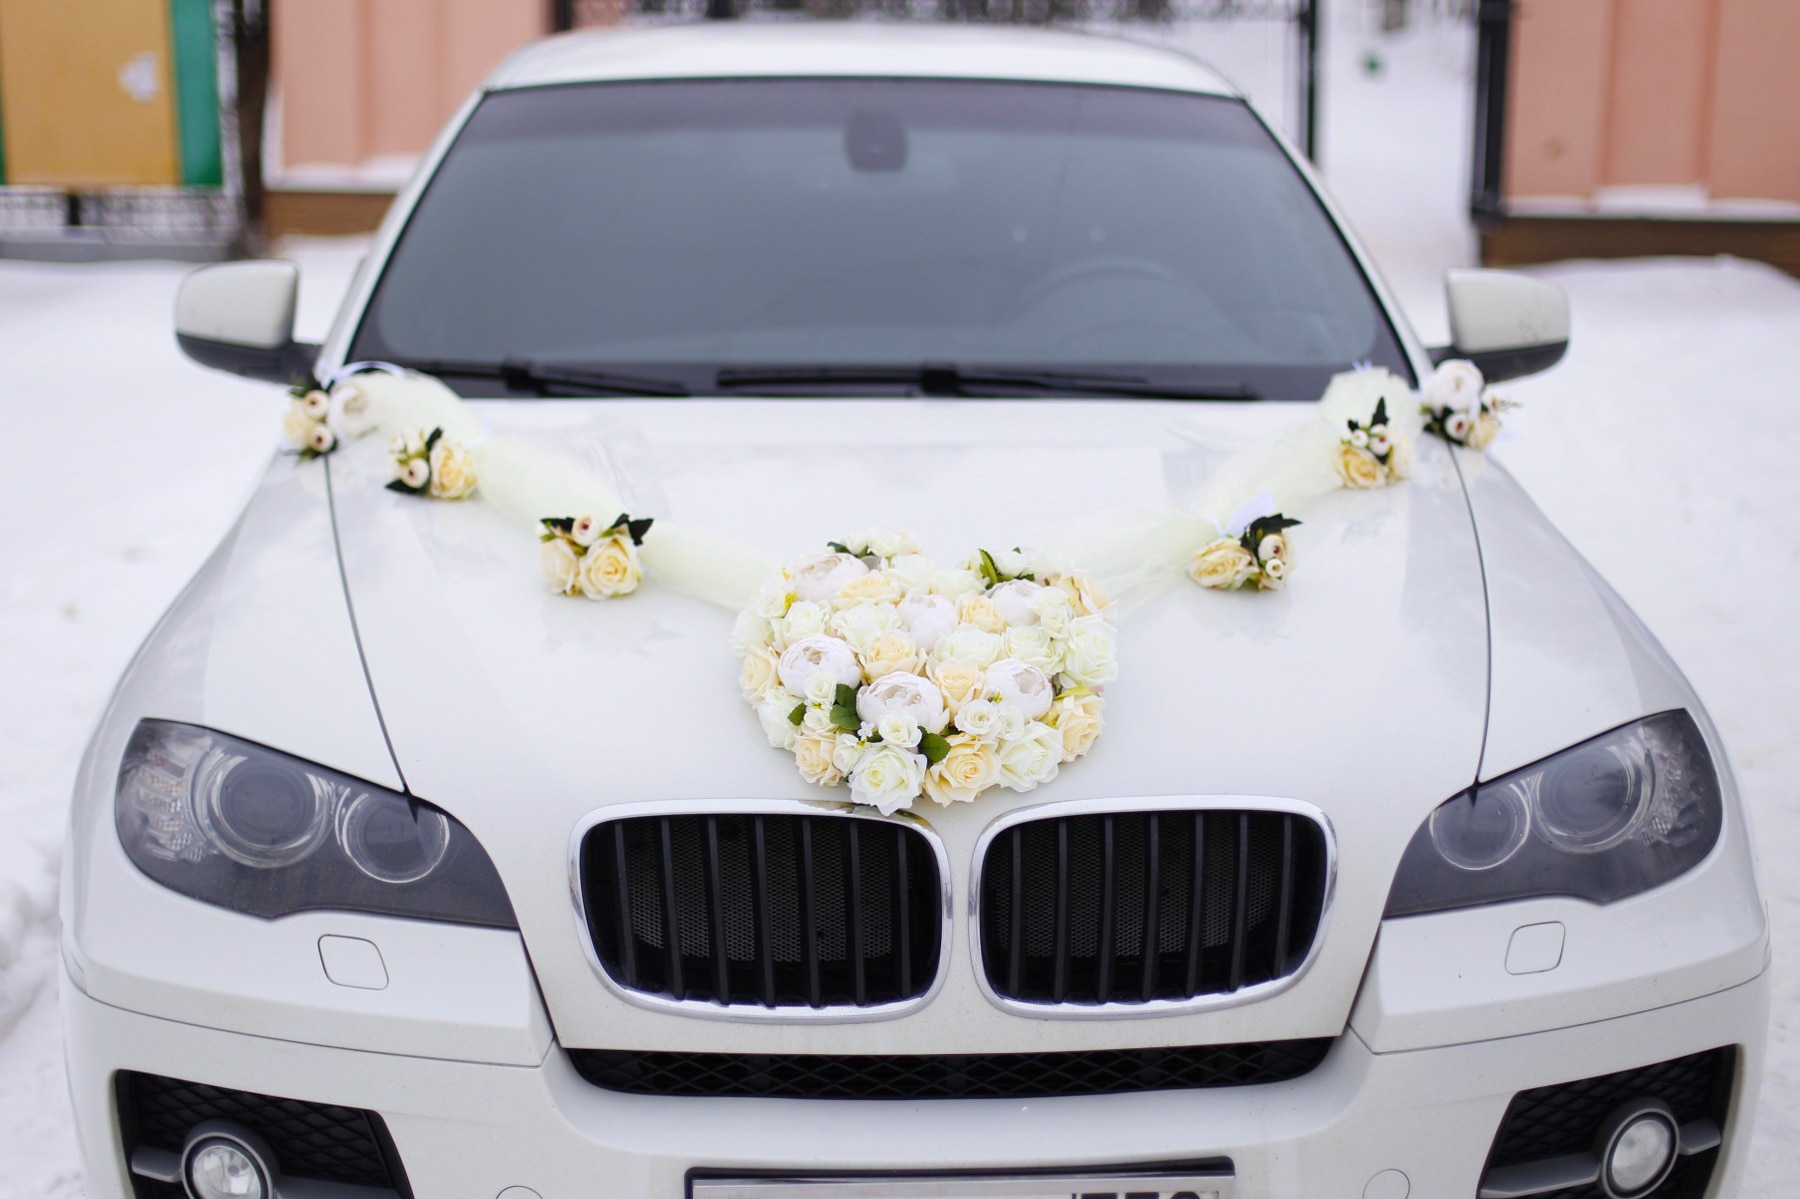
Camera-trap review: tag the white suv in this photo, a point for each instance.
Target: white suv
(392, 874)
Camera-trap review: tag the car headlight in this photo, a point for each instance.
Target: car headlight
(248, 828)
(1624, 812)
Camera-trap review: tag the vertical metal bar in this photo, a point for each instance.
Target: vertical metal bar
(1240, 902)
(853, 918)
(671, 921)
(1284, 896)
(562, 15)
(1015, 949)
(759, 909)
(1059, 984)
(902, 911)
(1493, 53)
(1152, 906)
(809, 915)
(1196, 907)
(1109, 881)
(622, 921)
(1308, 22)
(715, 912)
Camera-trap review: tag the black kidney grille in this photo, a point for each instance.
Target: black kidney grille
(952, 1076)
(1130, 907)
(317, 1141)
(1552, 1121)
(764, 910)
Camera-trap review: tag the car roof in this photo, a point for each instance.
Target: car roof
(867, 49)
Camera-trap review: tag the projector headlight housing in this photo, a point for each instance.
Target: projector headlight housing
(1608, 818)
(249, 828)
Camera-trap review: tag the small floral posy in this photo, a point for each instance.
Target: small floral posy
(1260, 555)
(1459, 408)
(585, 556)
(317, 422)
(1371, 453)
(430, 464)
(879, 670)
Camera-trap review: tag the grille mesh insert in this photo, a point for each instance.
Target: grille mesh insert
(958, 1076)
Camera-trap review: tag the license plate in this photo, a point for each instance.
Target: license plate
(1206, 1183)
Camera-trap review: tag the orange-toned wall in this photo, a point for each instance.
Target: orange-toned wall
(359, 79)
(1606, 93)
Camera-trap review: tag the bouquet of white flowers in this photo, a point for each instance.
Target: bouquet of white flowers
(878, 669)
(1459, 407)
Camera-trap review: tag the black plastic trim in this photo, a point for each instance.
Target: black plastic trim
(1513, 363)
(286, 364)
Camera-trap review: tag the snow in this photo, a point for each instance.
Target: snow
(1664, 447)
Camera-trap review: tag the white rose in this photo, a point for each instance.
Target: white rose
(1032, 758)
(804, 619)
(1054, 610)
(880, 542)
(898, 728)
(1009, 722)
(824, 577)
(862, 624)
(1455, 384)
(352, 412)
(818, 722)
(1089, 653)
(910, 694)
(750, 631)
(887, 778)
(966, 643)
(821, 689)
(927, 618)
(1034, 645)
(320, 439)
(297, 426)
(586, 530)
(912, 571)
(846, 751)
(773, 600)
(1014, 601)
(562, 565)
(1020, 683)
(1359, 439)
(1010, 562)
(955, 584)
(818, 655)
(979, 718)
(774, 712)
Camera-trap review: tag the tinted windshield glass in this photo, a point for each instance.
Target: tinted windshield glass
(678, 230)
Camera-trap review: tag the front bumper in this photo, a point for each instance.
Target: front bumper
(473, 1130)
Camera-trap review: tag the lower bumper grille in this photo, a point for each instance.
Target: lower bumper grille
(317, 1141)
(949, 1076)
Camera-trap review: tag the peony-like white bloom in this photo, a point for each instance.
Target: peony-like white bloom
(1020, 683)
(1054, 610)
(899, 728)
(1034, 645)
(562, 565)
(1379, 444)
(1455, 384)
(887, 778)
(1359, 438)
(774, 712)
(317, 404)
(804, 619)
(823, 578)
(1014, 601)
(352, 412)
(911, 694)
(927, 618)
(1032, 758)
(414, 472)
(320, 439)
(818, 655)
(1090, 653)
(1457, 426)
(862, 624)
(966, 643)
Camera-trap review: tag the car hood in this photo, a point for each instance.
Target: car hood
(1360, 689)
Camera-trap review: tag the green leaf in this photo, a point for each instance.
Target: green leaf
(797, 715)
(638, 528)
(935, 747)
(837, 547)
(432, 439)
(844, 718)
(1381, 416)
(402, 488)
(989, 571)
(846, 696)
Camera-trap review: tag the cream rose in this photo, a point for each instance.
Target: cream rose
(815, 755)
(562, 565)
(610, 568)
(1090, 653)
(927, 618)
(1482, 431)
(297, 426)
(824, 577)
(1022, 683)
(1454, 384)
(970, 768)
(1358, 468)
(1034, 645)
(871, 587)
(911, 694)
(453, 472)
(1400, 456)
(982, 612)
(957, 681)
(1013, 599)
(1078, 721)
(888, 653)
(1031, 758)
(887, 778)
(757, 672)
(966, 643)
(1085, 593)
(1224, 564)
(818, 655)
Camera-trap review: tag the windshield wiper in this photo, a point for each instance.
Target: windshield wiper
(947, 379)
(522, 374)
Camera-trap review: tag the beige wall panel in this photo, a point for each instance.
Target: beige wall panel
(1662, 56)
(318, 48)
(406, 40)
(1557, 97)
(86, 87)
(478, 35)
(1755, 135)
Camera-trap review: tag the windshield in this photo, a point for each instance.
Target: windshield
(872, 236)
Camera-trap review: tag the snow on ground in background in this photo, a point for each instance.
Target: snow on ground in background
(1663, 447)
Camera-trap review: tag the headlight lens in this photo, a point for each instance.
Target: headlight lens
(258, 831)
(1602, 820)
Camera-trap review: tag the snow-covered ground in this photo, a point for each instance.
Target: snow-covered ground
(1665, 447)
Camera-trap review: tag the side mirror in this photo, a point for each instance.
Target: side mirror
(1506, 324)
(239, 317)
